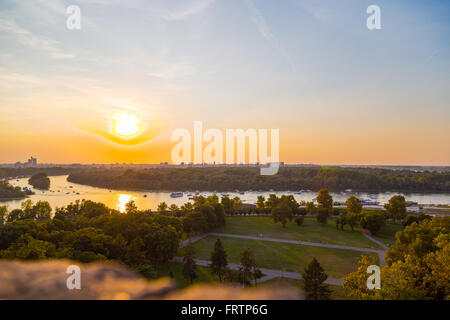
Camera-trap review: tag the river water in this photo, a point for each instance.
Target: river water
(63, 192)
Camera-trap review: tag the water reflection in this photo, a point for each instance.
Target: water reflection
(123, 200)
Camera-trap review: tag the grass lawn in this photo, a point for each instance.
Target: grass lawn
(387, 233)
(436, 211)
(283, 256)
(337, 292)
(203, 273)
(310, 230)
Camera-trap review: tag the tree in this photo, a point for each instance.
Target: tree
(189, 265)
(260, 202)
(417, 265)
(352, 219)
(396, 207)
(131, 207)
(237, 203)
(313, 282)
(3, 214)
(322, 215)
(299, 220)
(373, 221)
(227, 205)
(272, 201)
(341, 221)
(310, 207)
(246, 269)
(42, 210)
(162, 207)
(282, 213)
(325, 200)
(219, 261)
(354, 205)
(135, 254)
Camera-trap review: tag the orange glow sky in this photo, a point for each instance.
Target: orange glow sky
(338, 93)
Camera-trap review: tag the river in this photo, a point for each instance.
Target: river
(63, 192)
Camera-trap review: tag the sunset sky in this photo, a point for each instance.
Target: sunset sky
(338, 92)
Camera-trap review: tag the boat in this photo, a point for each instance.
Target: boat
(176, 194)
(145, 196)
(348, 190)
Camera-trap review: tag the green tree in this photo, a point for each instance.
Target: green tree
(42, 210)
(373, 221)
(313, 282)
(189, 265)
(3, 214)
(325, 200)
(352, 219)
(227, 205)
(353, 204)
(260, 202)
(310, 207)
(131, 207)
(282, 213)
(162, 207)
(322, 215)
(219, 261)
(237, 203)
(135, 254)
(396, 207)
(247, 266)
(299, 220)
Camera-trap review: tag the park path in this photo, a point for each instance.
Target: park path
(305, 243)
(268, 273)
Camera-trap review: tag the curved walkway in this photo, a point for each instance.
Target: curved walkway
(268, 273)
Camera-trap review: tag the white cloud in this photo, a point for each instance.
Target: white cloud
(193, 8)
(31, 40)
(264, 30)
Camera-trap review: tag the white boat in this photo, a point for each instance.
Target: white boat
(176, 194)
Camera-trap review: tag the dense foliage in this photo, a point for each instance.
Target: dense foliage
(226, 179)
(40, 181)
(418, 265)
(88, 231)
(7, 191)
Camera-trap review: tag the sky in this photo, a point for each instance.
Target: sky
(338, 92)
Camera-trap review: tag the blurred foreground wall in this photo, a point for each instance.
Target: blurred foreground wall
(47, 279)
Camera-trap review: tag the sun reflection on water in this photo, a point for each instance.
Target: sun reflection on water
(123, 200)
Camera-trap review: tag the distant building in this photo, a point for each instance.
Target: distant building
(32, 162)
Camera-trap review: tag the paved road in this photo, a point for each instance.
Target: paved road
(269, 273)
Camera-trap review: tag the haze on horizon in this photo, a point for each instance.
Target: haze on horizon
(338, 92)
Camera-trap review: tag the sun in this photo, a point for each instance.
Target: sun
(126, 125)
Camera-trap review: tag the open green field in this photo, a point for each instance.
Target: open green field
(337, 292)
(436, 211)
(387, 233)
(283, 256)
(310, 230)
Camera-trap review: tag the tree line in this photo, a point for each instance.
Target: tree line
(288, 178)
